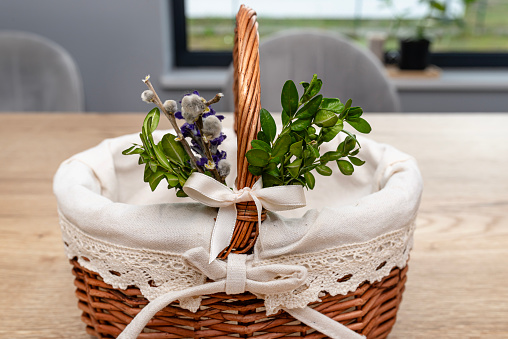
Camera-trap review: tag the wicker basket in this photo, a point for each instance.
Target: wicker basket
(370, 310)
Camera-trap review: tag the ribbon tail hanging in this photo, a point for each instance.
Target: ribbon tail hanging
(222, 230)
(259, 207)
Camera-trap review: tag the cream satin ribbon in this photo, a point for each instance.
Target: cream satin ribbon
(210, 192)
(237, 275)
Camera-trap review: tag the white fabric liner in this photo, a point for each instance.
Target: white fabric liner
(351, 225)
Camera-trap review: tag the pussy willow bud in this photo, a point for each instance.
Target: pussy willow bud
(224, 167)
(170, 106)
(147, 96)
(211, 127)
(192, 107)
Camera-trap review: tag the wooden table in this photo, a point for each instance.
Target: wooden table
(458, 276)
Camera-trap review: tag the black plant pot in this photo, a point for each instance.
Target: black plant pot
(414, 54)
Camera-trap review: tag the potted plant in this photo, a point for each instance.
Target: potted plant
(414, 47)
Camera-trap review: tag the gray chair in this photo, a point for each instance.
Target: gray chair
(36, 74)
(347, 70)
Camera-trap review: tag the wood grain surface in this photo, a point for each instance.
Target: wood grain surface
(458, 276)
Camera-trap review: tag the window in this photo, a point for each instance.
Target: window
(203, 30)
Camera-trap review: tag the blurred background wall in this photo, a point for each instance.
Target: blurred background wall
(117, 42)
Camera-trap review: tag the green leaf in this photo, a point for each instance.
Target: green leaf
(333, 105)
(147, 173)
(347, 145)
(152, 120)
(294, 168)
(133, 150)
(275, 172)
(271, 166)
(289, 98)
(324, 170)
(325, 118)
(255, 170)
(355, 112)
(355, 152)
(297, 148)
(314, 151)
(348, 104)
(267, 124)
(330, 156)
(311, 130)
(345, 167)
(356, 161)
(281, 145)
(329, 133)
(360, 124)
(311, 90)
(260, 144)
(174, 149)
(310, 180)
(146, 144)
(275, 160)
(310, 108)
(270, 180)
(181, 194)
(262, 136)
(257, 157)
(172, 180)
(285, 118)
(300, 125)
(304, 84)
(161, 157)
(182, 179)
(437, 5)
(153, 166)
(308, 158)
(155, 179)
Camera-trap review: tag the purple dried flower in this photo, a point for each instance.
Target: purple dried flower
(188, 130)
(217, 141)
(202, 161)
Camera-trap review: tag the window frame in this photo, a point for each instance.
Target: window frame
(186, 58)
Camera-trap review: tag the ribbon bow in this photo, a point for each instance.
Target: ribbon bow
(212, 193)
(237, 276)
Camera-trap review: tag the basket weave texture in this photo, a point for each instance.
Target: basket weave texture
(370, 310)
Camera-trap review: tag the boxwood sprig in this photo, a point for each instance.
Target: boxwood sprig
(166, 159)
(308, 121)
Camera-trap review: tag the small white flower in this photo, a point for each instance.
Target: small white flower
(224, 168)
(147, 96)
(146, 78)
(210, 165)
(170, 106)
(211, 127)
(192, 107)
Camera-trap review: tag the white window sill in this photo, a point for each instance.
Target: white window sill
(457, 80)
(199, 78)
(450, 80)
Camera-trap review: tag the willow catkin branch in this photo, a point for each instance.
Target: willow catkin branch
(172, 120)
(206, 148)
(215, 99)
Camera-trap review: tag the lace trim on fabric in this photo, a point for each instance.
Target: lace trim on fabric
(335, 271)
(341, 270)
(153, 272)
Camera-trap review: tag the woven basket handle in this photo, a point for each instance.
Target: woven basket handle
(246, 91)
